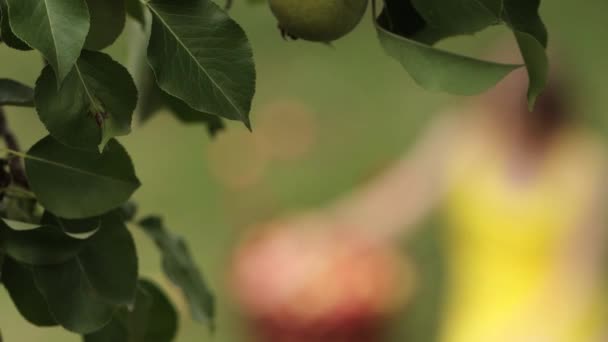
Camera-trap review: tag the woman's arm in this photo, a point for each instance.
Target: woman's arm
(393, 203)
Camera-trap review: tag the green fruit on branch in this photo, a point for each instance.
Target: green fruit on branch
(318, 20)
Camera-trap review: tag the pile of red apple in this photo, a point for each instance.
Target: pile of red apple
(309, 285)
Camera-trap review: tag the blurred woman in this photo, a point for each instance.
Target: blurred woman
(523, 194)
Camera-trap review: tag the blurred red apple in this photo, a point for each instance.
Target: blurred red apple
(309, 285)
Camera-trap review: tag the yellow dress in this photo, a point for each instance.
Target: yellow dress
(503, 241)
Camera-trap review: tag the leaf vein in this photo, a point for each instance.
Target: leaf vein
(213, 81)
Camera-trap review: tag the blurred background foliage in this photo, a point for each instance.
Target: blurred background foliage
(324, 119)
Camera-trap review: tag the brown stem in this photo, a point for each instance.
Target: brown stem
(14, 163)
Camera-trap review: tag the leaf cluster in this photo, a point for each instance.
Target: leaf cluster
(409, 29)
(67, 256)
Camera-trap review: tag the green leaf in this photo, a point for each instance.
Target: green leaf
(71, 299)
(135, 10)
(114, 331)
(100, 272)
(109, 261)
(523, 16)
(456, 17)
(6, 33)
(19, 225)
(202, 57)
(153, 319)
(19, 282)
(44, 245)
(80, 229)
(408, 29)
(127, 211)
(152, 99)
(23, 209)
(531, 34)
(148, 101)
(56, 28)
(186, 114)
(76, 184)
(537, 64)
(91, 285)
(439, 70)
(94, 104)
(180, 268)
(14, 93)
(107, 22)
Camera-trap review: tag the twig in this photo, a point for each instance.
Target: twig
(14, 163)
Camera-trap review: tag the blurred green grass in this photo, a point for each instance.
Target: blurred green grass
(367, 110)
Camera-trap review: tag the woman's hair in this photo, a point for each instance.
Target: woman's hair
(552, 109)
(553, 106)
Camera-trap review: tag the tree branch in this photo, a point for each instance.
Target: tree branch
(15, 166)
